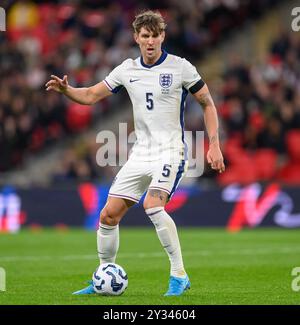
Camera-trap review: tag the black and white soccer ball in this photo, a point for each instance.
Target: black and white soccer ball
(110, 279)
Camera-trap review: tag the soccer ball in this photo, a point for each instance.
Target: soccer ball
(110, 279)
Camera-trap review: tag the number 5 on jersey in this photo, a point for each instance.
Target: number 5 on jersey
(149, 101)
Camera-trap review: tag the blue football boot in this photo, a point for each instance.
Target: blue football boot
(86, 291)
(177, 286)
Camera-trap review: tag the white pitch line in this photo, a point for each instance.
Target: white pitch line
(261, 251)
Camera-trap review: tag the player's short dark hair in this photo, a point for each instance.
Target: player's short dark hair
(150, 20)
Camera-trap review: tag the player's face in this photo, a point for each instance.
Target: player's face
(150, 45)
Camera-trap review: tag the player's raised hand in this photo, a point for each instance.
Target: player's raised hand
(215, 158)
(57, 84)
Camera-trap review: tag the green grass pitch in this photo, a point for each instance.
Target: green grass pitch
(250, 267)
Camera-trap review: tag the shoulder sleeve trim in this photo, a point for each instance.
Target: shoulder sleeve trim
(107, 85)
(113, 90)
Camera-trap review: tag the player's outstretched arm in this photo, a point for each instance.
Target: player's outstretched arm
(85, 96)
(214, 154)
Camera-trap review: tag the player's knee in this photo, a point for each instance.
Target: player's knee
(109, 216)
(155, 198)
(149, 204)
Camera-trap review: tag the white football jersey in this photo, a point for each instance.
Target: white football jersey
(158, 94)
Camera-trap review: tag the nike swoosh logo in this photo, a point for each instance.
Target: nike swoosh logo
(159, 181)
(133, 80)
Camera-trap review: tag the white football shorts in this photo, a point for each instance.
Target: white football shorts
(136, 177)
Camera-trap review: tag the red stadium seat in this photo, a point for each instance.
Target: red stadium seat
(265, 161)
(240, 167)
(238, 174)
(290, 174)
(78, 117)
(245, 168)
(241, 171)
(293, 145)
(233, 149)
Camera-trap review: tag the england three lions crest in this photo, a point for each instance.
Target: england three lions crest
(165, 80)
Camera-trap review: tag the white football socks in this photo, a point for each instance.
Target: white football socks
(167, 234)
(107, 243)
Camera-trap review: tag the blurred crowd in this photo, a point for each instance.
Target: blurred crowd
(260, 111)
(258, 105)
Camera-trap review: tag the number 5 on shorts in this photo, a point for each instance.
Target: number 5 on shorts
(166, 170)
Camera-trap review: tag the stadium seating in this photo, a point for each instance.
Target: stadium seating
(293, 145)
(290, 172)
(265, 162)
